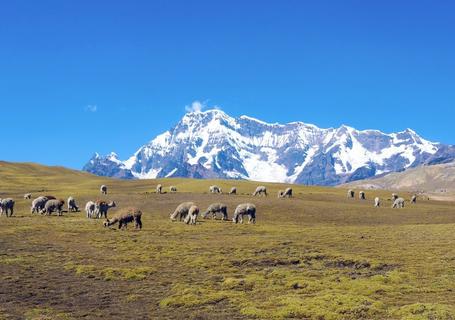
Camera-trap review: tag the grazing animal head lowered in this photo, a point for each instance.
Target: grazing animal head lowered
(215, 208)
(54, 205)
(243, 209)
(398, 203)
(124, 217)
(38, 205)
(260, 190)
(181, 211)
(191, 217)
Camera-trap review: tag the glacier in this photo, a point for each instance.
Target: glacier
(212, 144)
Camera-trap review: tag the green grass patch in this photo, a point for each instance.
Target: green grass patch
(192, 297)
(46, 314)
(425, 311)
(111, 273)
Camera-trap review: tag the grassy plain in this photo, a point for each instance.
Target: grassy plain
(318, 255)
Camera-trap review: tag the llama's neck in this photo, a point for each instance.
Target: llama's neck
(112, 221)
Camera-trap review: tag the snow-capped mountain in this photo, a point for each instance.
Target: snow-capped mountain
(211, 144)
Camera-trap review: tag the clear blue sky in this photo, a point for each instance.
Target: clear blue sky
(386, 65)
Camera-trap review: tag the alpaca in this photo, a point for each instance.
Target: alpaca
(261, 191)
(103, 189)
(7, 205)
(181, 211)
(90, 209)
(191, 217)
(101, 208)
(377, 202)
(214, 208)
(287, 193)
(54, 205)
(398, 203)
(72, 206)
(124, 217)
(215, 189)
(243, 209)
(38, 204)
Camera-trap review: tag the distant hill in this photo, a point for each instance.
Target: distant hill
(17, 178)
(436, 180)
(40, 178)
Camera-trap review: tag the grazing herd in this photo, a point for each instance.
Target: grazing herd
(187, 212)
(397, 202)
(159, 189)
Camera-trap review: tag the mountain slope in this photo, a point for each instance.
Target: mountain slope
(35, 177)
(438, 178)
(212, 144)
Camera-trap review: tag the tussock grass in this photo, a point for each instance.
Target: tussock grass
(315, 256)
(110, 273)
(46, 314)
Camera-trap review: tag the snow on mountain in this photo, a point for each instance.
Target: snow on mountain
(211, 144)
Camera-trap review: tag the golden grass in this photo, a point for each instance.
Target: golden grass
(316, 256)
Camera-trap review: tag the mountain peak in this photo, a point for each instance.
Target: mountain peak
(207, 115)
(209, 112)
(212, 144)
(260, 122)
(345, 128)
(411, 133)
